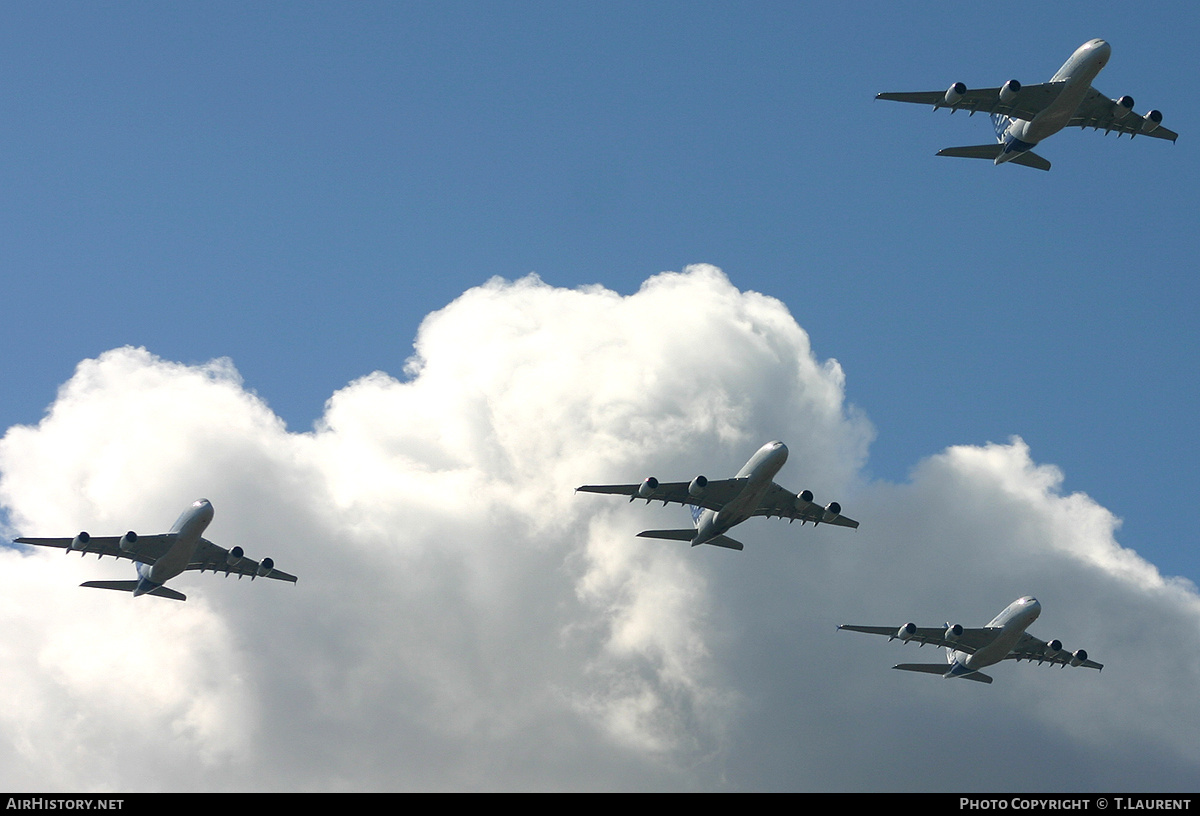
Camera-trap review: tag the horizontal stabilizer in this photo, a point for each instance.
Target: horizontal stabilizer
(726, 542)
(690, 535)
(991, 151)
(941, 669)
(120, 586)
(130, 586)
(670, 535)
(987, 151)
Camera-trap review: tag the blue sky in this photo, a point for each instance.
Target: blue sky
(298, 186)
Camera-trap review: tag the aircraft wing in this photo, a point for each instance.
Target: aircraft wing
(1032, 649)
(714, 496)
(209, 556)
(781, 502)
(146, 549)
(969, 641)
(1099, 112)
(1028, 102)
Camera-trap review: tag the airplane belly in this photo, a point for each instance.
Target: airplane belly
(1056, 116)
(998, 649)
(173, 562)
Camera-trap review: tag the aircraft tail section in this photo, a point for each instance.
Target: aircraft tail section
(726, 542)
(991, 151)
(1001, 122)
(943, 670)
(669, 535)
(690, 536)
(130, 586)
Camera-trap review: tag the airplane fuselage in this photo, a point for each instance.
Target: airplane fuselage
(759, 473)
(1009, 625)
(187, 531)
(1076, 76)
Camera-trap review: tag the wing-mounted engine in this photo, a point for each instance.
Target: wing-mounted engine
(953, 631)
(1052, 649)
(128, 541)
(906, 632)
(1079, 657)
(235, 556)
(1122, 107)
(1009, 91)
(832, 511)
(954, 93)
(264, 568)
(1151, 121)
(80, 541)
(696, 488)
(646, 489)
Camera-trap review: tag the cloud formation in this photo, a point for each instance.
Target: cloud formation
(464, 621)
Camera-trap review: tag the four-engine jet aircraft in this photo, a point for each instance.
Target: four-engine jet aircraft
(1025, 115)
(718, 505)
(969, 650)
(159, 558)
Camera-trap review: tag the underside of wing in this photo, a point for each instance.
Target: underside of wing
(144, 549)
(1039, 651)
(779, 502)
(1025, 103)
(710, 494)
(211, 558)
(1099, 112)
(954, 637)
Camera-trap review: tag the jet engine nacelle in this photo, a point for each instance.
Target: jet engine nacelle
(906, 632)
(264, 567)
(954, 631)
(80, 541)
(955, 93)
(1151, 121)
(1122, 106)
(697, 486)
(1054, 647)
(127, 541)
(647, 487)
(804, 499)
(832, 511)
(1079, 657)
(1009, 91)
(235, 556)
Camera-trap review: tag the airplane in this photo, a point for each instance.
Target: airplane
(159, 558)
(719, 504)
(969, 650)
(1024, 115)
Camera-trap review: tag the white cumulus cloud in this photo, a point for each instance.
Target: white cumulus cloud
(463, 620)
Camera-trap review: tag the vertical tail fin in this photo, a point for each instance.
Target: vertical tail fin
(1001, 123)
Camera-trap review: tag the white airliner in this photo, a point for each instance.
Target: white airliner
(159, 558)
(1024, 115)
(969, 650)
(718, 505)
